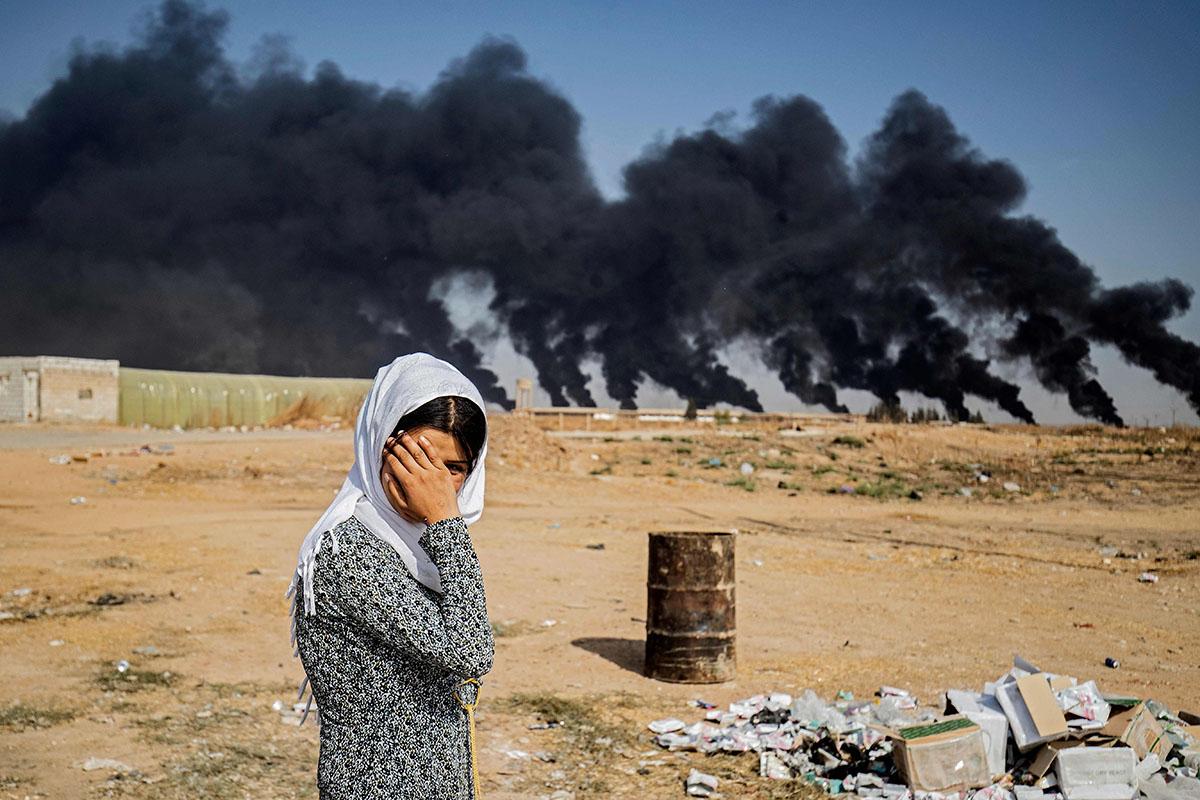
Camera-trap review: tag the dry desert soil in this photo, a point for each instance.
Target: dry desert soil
(178, 558)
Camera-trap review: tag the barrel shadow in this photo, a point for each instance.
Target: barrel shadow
(629, 654)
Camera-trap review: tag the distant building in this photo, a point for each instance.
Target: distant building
(58, 388)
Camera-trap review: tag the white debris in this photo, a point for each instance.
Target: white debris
(700, 784)
(771, 765)
(93, 763)
(667, 725)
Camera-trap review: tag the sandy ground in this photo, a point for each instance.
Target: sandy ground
(178, 560)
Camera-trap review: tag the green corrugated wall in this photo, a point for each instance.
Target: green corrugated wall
(166, 398)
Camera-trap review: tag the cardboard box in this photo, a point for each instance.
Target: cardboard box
(1145, 735)
(1123, 709)
(1097, 773)
(1137, 727)
(1032, 711)
(1045, 758)
(945, 756)
(985, 712)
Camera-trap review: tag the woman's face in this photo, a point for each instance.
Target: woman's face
(449, 451)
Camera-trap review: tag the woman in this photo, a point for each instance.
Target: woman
(389, 616)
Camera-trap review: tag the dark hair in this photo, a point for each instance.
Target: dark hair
(454, 415)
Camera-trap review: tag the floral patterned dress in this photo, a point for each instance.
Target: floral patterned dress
(384, 655)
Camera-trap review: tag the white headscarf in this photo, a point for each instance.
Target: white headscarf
(400, 387)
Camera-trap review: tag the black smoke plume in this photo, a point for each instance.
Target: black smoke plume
(162, 205)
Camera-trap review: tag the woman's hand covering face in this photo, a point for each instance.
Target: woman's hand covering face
(417, 482)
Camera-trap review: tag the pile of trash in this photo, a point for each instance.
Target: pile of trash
(1029, 735)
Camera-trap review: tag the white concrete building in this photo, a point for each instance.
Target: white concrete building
(58, 388)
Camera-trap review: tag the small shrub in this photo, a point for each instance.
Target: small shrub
(743, 482)
(20, 717)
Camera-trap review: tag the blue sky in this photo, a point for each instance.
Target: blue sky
(1098, 104)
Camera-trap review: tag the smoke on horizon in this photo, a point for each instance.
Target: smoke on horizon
(165, 206)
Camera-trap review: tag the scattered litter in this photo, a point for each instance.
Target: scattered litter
(1182, 788)
(57, 642)
(771, 765)
(78, 500)
(1009, 486)
(24, 591)
(700, 784)
(714, 462)
(667, 725)
(122, 666)
(746, 468)
(965, 492)
(92, 764)
(1148, 577)
(1112, 663)
(148, 650)
(549, 623)
(293, 714)
(60, 459)
(1029, 735)
(554, 525)
(846, 488)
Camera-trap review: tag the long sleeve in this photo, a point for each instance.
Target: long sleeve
(371, 587)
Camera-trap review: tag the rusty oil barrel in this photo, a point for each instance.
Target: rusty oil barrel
(690, 623)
